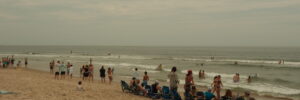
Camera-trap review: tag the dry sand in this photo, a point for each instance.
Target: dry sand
(38, 85)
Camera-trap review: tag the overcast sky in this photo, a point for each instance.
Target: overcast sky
(150, 22)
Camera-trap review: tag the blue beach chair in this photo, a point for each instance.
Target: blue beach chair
(166, 94)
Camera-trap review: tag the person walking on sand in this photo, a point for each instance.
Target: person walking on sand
(102, 74)
(110, 75)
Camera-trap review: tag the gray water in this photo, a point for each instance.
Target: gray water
(273, 78)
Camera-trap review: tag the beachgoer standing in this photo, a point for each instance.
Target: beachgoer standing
(136, 74)
(91, 72)
(110, 75)
(26, 62)
(102, 74)
(217, 84)
(174, 81)
(145, 79)
(62, 70)
(71, 69)
(56, 76)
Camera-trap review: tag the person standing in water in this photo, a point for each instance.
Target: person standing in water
(102, 74)
(26, 62)
(249, 79)
(236, 78)
(200, 74)
(159, 67)
(203, 74)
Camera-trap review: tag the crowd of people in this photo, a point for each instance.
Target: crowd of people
(190, 90)
(9, 61)
(62, 70)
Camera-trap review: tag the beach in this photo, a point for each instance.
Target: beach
(273, 82)
(31, 84)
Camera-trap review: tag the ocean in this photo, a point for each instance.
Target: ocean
(273, 78)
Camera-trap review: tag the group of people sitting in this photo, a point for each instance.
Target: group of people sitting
(155, 91)
(190, 90)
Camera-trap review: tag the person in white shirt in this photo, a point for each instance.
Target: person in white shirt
(135, 74)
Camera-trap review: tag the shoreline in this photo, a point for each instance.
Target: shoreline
(27, 76)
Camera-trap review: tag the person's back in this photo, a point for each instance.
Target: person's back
(135, 73)
(154, 88)
(173, 80)
(102, 72)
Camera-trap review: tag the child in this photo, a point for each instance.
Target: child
(145, 79)
(79, 86)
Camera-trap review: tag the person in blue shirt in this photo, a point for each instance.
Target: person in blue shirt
(209, 95)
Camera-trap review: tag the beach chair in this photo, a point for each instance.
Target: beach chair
(166, 94)
(125, 87)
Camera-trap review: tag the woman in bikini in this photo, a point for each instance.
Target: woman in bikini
(217, 84)
(109, 73)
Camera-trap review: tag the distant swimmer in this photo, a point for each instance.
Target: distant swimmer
(249, 79)
(212, 58)
(159, 67)
(109, 54)
(202, 64)
(71, 52)
(279, 62)
(236, 63)
(236, 78)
